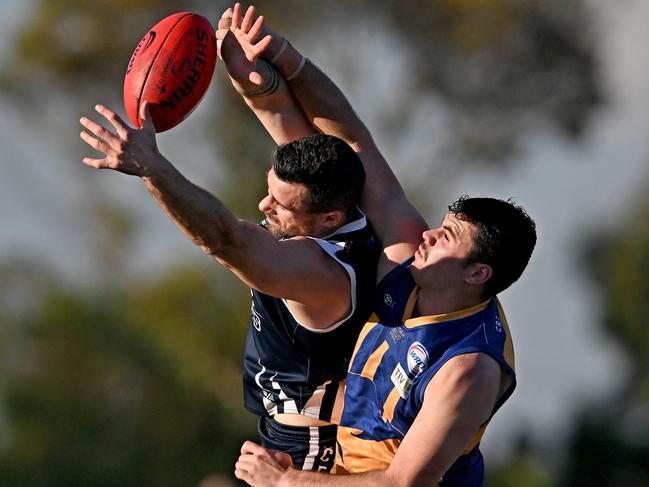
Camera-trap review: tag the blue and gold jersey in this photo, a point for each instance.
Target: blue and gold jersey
(289, 368)
(395, 358)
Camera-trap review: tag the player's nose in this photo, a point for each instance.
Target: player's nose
(265, 205)
(429, 237)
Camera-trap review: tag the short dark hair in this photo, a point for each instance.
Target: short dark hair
(505, 240)
(329, 168)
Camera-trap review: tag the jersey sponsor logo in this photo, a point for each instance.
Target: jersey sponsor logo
(401, 381)
(417, 358)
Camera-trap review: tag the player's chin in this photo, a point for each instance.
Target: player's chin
(275, 230)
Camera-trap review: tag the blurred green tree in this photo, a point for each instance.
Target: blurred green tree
(609, 445)
(113, 389)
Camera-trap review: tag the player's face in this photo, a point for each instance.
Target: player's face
(285, 210)
(442, 257)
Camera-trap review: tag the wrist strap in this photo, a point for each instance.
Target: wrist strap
(298, 69)
(268, 86)
(281, 50)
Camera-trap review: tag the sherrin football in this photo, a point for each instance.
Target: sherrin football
(171, 68)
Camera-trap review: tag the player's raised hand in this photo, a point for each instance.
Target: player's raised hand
(237, 44)
(126, 149)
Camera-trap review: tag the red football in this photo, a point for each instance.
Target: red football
(171, 68)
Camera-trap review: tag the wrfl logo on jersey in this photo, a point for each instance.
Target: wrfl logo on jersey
(417, 358)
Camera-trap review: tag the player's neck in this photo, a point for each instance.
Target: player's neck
(437, 302)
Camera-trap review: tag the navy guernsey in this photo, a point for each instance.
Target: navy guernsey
(291, 369)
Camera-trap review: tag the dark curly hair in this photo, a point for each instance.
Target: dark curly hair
(505, 240)
(328, 167)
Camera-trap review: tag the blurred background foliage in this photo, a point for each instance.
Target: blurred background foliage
(137, 381)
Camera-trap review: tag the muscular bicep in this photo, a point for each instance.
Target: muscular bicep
(316, 286)
(457, 402)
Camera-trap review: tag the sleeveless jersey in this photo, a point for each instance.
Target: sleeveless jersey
(395, 358)
(291, 369)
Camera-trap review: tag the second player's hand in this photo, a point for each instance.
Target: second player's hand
(128, 150)
(236, 41)
(259, 466)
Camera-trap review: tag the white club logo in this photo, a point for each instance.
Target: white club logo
(417, 358)
(387, 299)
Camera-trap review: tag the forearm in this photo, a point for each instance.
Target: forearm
(203, 218)
(324, 104)
(298, 478)
(274, 105)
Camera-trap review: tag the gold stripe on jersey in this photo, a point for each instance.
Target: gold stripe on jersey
(410, 305)
(373, 361)
(371, 323)
(476, 439)
(337, 411)
(433, 319)
(363, 455)
(390, 404)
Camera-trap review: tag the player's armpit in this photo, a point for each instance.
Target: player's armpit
(296, 269)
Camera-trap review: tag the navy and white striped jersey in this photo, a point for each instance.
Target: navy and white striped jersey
(291, 369)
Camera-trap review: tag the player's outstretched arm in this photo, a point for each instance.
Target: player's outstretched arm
(458, 400)
(262, 87)
(278, 268)
(397, 222)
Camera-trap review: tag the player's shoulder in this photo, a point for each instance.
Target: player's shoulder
(475, 366)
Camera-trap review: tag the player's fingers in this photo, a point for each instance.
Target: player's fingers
(227, 14)
(256, 28)
(97, 129)
(225, 22)
(283, 459)
(145, 116)
(255, 78)
(241, 473)
(94, 142)
(250, 447)
(246, 23)
(114, 119)
(236, 16)
(96, 163)
(262, 45)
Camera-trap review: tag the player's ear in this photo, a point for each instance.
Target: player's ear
(333, 219)
(479, 273)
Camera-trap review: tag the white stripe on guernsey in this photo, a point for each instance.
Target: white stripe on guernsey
(314, 448)
(351, 226)
(313, 405)
(269, 405)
